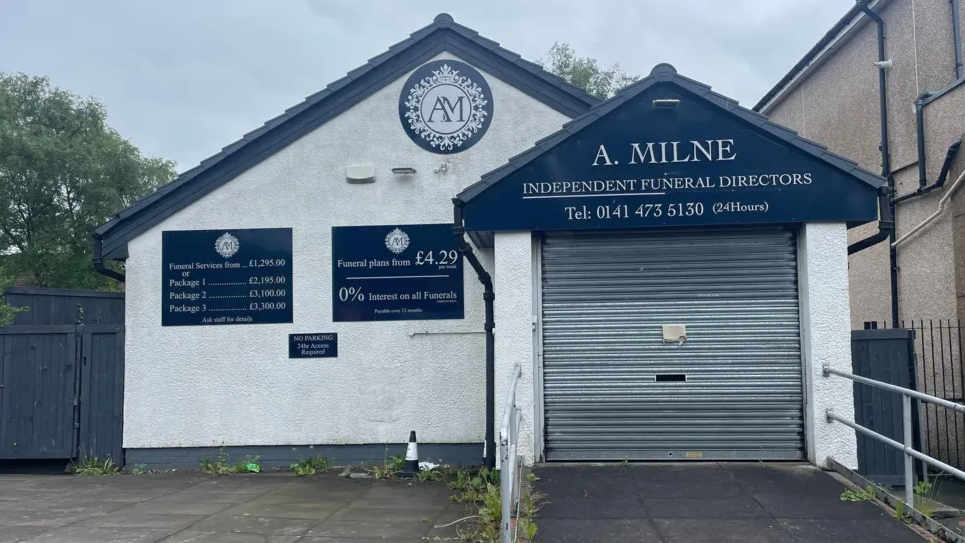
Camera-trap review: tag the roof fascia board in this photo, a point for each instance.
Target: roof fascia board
(818, 59)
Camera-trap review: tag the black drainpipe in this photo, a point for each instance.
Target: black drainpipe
(924, 188)
(886, 207)
(957, 36)
(488, 296)
(99, 262)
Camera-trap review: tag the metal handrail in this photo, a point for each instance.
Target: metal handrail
(509, 476)
(510, 400)
(910, 453)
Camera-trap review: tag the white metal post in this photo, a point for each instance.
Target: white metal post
(909, 461)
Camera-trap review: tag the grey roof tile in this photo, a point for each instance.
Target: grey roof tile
(583, 120)
(552, 140)
(812, 147)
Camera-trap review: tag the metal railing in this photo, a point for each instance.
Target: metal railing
(906, 447)
(509, 468)
(939, 350)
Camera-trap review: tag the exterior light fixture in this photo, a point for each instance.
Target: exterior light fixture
(361, 173)
(666, 103)
(403, 171)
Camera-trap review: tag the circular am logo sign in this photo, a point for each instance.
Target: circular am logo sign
(446, 106)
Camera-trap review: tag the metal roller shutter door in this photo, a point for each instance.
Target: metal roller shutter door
(613, 388)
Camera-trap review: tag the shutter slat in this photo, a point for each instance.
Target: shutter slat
(605, 298)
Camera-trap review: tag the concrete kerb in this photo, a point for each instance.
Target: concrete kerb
(891, 504)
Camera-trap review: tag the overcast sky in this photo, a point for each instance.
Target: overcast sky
(183, 78)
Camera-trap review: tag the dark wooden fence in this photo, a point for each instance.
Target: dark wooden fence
(889, 356)
(61, 391)
(48, 306)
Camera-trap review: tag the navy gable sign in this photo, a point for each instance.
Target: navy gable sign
(234, 276)
(643, 165)
(446, 106)
(396, 272)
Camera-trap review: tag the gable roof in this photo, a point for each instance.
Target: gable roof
(667, 73)
(339, 96)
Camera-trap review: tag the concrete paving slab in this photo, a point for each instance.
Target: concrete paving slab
(190, 496)
(175, 508)
(102, 535)
(254, 525)
(321, 499)
(128, 519)
(592, 508)
(825, 530)
(736, 507)
(309, 511)
(241, 484)
(444, 526)
(394, 491)
(15, 534)
(412, 502)
(53, 516)
(194, 536)
(386, 514)
(724, 488)
(587, 487)
(597, 531)
(760, 477)
(678, 471)
(356, 540)
(16, 494)
(793, 503)
(370, 529)
(723, 531)
(706, 503)
(180, 508)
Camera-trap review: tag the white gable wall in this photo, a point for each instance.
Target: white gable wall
(200, 386)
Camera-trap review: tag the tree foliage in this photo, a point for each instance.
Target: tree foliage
(7, 312)
(63, 172)
(586, 72)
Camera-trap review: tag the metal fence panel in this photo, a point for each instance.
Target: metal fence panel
(883, 355)
(37, 377)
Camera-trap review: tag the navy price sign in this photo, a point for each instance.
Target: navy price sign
(226, 276)
(323, 345)
(396, 272)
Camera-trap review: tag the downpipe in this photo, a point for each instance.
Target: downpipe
(924, 187)
(957, 36)
(98, 261)
(886, 207)
(459, 231)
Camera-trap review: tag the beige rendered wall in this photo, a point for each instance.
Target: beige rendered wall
(837, 105)
(927, 282)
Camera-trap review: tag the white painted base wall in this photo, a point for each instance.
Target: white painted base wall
(826, 340)
(513, 283)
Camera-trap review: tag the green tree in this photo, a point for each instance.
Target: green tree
(7, 311)
(585, 72)
(63, 172)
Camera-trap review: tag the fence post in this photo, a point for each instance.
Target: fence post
(909, 462)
